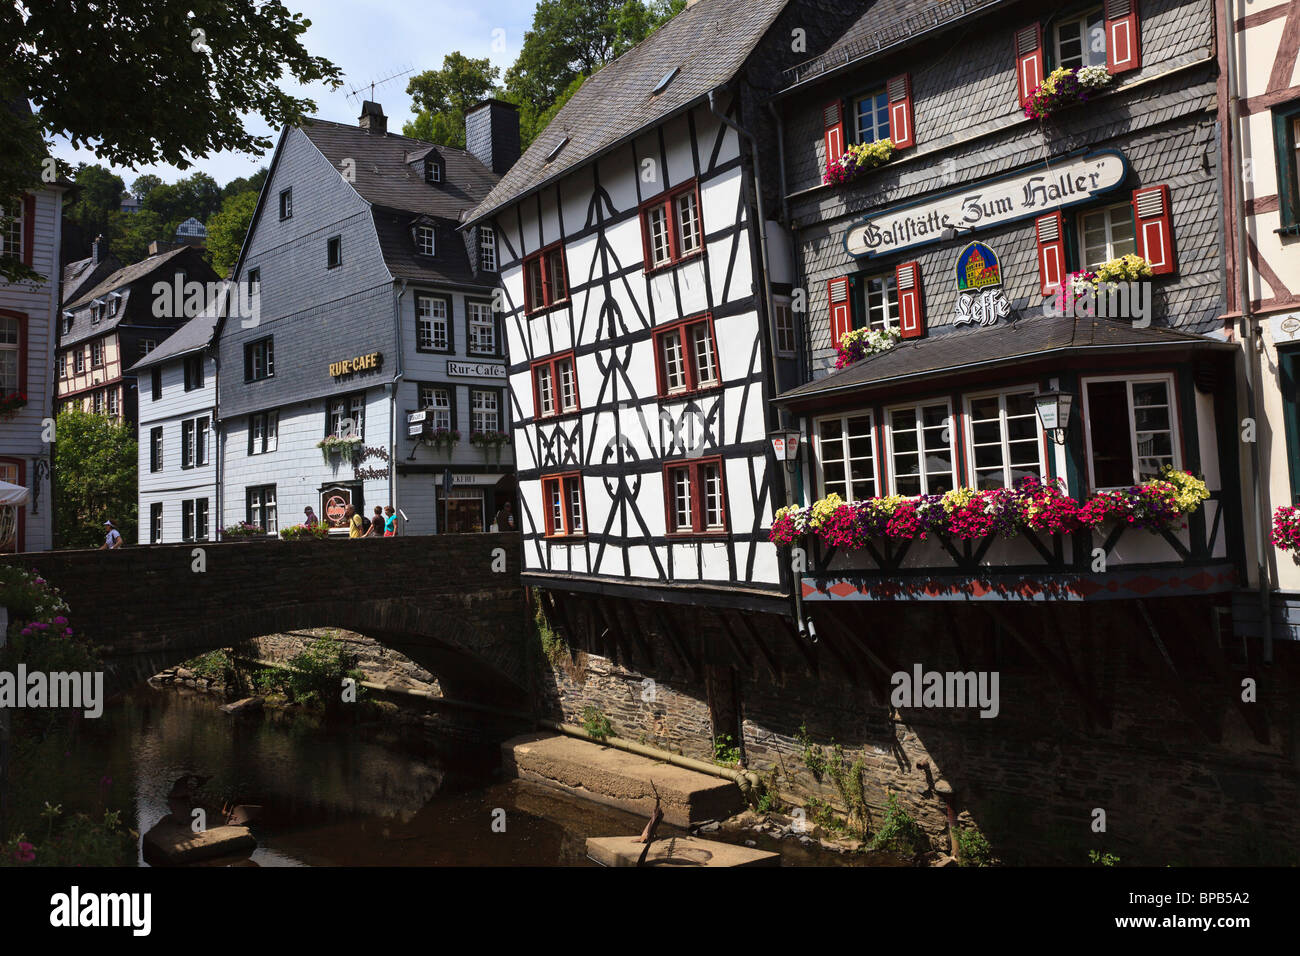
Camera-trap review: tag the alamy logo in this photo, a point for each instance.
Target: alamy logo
(1106, 300)
(83, 690)
(74, 909)
(922, 688)
(234, 300)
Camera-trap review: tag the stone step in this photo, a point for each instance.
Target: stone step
(677, 851)
(620, 779)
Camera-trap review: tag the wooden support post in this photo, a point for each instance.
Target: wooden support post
(669, 632)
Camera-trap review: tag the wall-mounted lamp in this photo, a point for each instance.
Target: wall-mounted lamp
(1054, 413)
(785, 442)
(950, 232)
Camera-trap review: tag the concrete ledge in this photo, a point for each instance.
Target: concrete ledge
(619, 779)
(175, 843)
(677, 851)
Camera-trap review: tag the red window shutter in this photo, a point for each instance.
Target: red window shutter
(911, 314)
(841, 308)
(29, 227)
(1123, 45)
(1029, 61)
(900, 111)
(1155, 234)
(1051, 252)
(834, 120)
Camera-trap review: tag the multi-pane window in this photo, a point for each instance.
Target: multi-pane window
(193, 372)
(187, 443)
(63, 361)
(259, 360)
(696, 500)
(1003, 439)
(261, 508)
(1107, 234)
(921, 449)
(96, 354)
(671, 226)
(487, 240)
(562, 505)
(545, 279)
(424, 240)
(1081, 41)
(97, 402)
(482, 328)
(432, 170)
(156, 523)
(1131, 426)
(347, 416)
(147, 346)
(286, 204)
(880, 296)
(201, 519)
(333, 252)
(873, 117)
(555, 386)
(156, 449)
(687, 357)
(846, 450)
(114, 408)
(485, 410)
(11, 232)
(784, 320)
(432, 326)
(79, 358)
(187, 520)
(439, 399)
(114, 301)
(10, 354)
(194, 442)
(262, 432)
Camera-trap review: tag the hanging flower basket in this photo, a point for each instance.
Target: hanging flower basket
(857, 344)
(1286, 529)
(964, 513)
(858, 159)
(489, 439)
(1063, 88)
(11, 405)
(444, 438)
(350, 448)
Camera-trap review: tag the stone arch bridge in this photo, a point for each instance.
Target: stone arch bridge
(452, 603)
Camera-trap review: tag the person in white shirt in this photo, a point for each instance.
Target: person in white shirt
(112, 540)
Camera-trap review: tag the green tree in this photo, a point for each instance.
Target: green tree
(196, 195)
(145, 184)
(94, 478)
(441, 98)
(145, 82)
(245, 184)
(131, 233)
(227, 229)
(99, 195)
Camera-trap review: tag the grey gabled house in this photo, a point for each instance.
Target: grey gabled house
(370, 310)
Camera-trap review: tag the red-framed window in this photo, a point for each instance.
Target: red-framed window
(13, 352)
(672, 227)
(686, 357)
(562, 505)
(695, 497)
(555, 386)
(546, 279)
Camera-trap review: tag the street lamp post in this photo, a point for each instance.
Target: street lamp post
(1054, 413)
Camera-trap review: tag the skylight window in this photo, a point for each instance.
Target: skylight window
(665, 80)
(550, 157)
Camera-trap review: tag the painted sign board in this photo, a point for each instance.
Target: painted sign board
(1285, 327)
(1043, 188)
(476, 370)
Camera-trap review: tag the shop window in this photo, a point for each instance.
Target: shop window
(921, 449)
(1131, 429)
(562, 505)
(695, 497)
(1003, 440)
(846, 456)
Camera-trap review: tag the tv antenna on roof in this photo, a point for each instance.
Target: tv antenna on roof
(373, 83)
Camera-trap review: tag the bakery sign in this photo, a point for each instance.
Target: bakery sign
(1036, 191)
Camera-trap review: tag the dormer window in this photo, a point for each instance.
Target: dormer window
(67, 323)
(114, 301)
(424, 240)
(432, 172)
(96, 311)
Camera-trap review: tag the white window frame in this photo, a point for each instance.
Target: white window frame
(889, 309)
(783, 319)
(11, 236)
(915, 408)
(843, 419)
(1108, 211)
(1085, 42)
(1175, 425)
(421, 234)
(16, 348)
(477, 325)
(968, 432)
(433, 322)
(270, 437)
(860, 131)
(690, 229)
(487, 240)
(429, 395)
(478, 411)
(566, 390)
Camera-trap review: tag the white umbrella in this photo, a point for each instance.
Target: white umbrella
(12, 497)
(15, 495)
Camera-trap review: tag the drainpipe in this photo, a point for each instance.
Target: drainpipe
(392, 397)
(1250, 331)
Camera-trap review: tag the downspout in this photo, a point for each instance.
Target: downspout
(783, 417)
(392, 397)
(1250, 331)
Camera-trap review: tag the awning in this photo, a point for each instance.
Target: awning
(945, 352)
(15, 495)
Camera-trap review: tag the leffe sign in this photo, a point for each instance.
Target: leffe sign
(1033, 192)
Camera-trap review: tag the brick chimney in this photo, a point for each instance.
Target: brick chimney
(100, 249)
(372, 118)
(492, 134)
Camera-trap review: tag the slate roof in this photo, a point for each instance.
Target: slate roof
(709, 41)
(125, 276)
(75, 274)
(959, 350)
(190, 337)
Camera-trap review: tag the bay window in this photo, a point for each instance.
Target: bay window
(846, 456)
(921, 449)
(1131, 429)
(1003, 438)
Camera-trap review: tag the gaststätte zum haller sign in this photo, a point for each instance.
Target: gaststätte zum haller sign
(1036, 191)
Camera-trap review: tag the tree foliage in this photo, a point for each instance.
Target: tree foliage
(99, 196)
(227, 229)
(144, 82)
(95, 478)
(442, 97)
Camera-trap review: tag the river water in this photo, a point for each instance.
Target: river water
(345, 796)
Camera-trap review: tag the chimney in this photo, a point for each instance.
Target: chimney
(492, 134)
(100, 250)
(372, 118)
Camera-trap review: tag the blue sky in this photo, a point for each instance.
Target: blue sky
(369, 41)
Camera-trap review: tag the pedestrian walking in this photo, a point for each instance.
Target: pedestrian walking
(390, 522)
(376, 529)
(505, 519)
(310, 520)
(356, 523)
(112, 539)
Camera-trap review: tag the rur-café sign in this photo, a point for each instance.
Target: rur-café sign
(1037, 191)
(358, 363)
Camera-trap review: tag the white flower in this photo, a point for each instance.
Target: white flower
(1093, 77)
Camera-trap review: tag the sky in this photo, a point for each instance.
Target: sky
(368, 40)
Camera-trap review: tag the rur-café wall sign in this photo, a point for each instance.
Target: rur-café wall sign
(1041, 189)
(359, 363)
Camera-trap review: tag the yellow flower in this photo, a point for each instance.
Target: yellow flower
(824, 509)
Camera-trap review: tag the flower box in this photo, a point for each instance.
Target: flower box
(1063, 88)
(351, 448)
(489, 439)
(244, 531)
(11, 405)
(858, 159)
(444, 438)
(857, 344)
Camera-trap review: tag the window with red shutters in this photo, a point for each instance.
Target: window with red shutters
(686, 357)
(841, 308)
(555, 386)
(1154, 226)
(671, 226)
(545, 279)
(1051, 252)
(899, 90)
(1123, 44)
(1029, 61)
(833, 120)
(562, 505)
(695, 497)
(911, 310)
